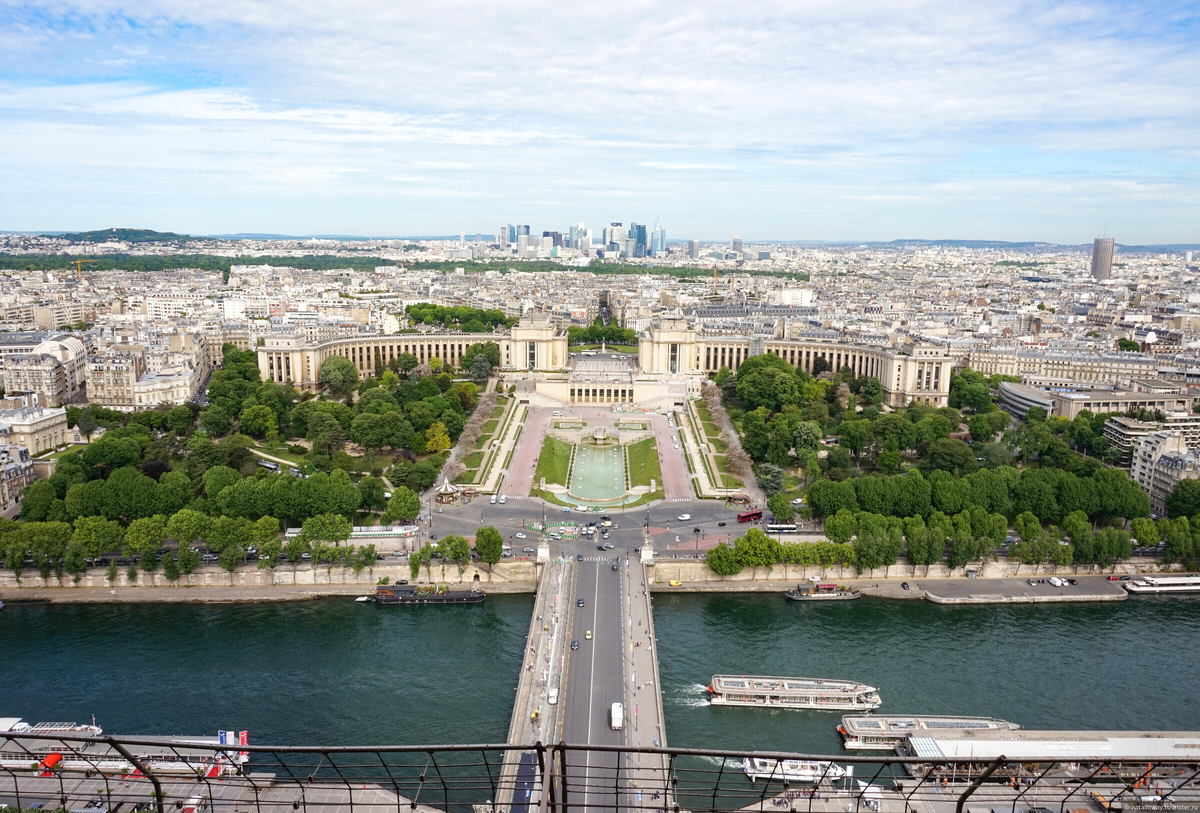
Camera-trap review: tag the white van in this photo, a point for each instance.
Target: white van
(617, 717)
(557, 413)
(493, 499)
(553, 699)
(502, 498)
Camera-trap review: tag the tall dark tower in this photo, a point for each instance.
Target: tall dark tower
(1102, 258)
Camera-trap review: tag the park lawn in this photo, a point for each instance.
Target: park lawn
(730, 481)
(704, 414)
(616, 348)
(553, 462)
(473, 460)
(490, 426)
(467, 476)
(283, 454)
(643, 463)
(62, 452)
(722, 465)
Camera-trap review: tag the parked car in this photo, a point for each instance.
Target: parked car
(528, 549)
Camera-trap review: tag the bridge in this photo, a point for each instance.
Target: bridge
(590, 645)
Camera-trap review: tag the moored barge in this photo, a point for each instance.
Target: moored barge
(792, 693)
(886, 731)
(822, 592)
(420, 594)
(1164, 584)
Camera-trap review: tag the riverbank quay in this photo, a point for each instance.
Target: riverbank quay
(949, 590)
(249, 583)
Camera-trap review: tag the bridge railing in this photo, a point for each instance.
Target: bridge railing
(122, 774)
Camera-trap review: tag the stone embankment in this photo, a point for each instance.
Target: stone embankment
(249, 584)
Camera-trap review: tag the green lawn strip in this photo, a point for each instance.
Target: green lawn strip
(722, 464)
(473, 460)
(282, 454)
(616, 348)
(553, 462)
(489, 427)
(730, 481)
(643, 463)
(549, 497)
(645, 498)
(61, 452)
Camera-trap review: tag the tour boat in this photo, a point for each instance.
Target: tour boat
(805, 772)
(1164, 584)
(822, 592)
(71, 747)
(792, 693)
(885, 732)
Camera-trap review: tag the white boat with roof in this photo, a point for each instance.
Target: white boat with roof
(1164, 584)
(886, 731)
(801, 771)
(792, 693)
(73, 747)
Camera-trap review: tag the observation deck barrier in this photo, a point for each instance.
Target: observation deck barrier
(469, 778)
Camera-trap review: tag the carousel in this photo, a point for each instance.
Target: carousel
(446, 492)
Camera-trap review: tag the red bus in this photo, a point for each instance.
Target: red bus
(750, 516)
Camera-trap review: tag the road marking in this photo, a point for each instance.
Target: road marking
(587, 774)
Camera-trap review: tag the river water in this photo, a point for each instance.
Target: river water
(339, 672)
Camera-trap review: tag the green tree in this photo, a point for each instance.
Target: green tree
(325, 432)
(188, 560)
(339, 375)
(371, 491)
(37, 501)
(806, 437)
(402, 507)
(1183, 501)
(1146, 532)
(981, 428)
(145, 536)
(179, 419)
(781, 507)
(327, 528)
(217, 478)
(187, 525)
(97, 535)
(489, 544)
(755, 549)
(259, 421)
(723, 561)
(853, 435)
(841, 527)
(458, 551)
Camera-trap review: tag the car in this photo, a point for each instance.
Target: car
(521, 536)
(432, 537)
(1114, 578)
(605, 518)
(579, 558)
(1072, 582)
(578, 602)
(614, 565)
(604, 536)
(588, 635)
(591, 524)
(608, 546)
(798, 501)
(599, 547)
(401, 581)
(502, 499)
(566, 510)
(306, 556)
(904, 585)
(212, 557)
(574, 643)
(684, 517)
(1031, 582)
(720, 524)
(675, 583)
(1126, 578)
(379, 557)
(528, 549)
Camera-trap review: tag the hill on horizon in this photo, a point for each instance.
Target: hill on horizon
(124, 235)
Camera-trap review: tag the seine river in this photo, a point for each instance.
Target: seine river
(338, 672)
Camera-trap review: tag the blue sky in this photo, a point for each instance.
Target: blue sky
(835, 120)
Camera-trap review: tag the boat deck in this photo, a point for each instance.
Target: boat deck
(754, 684)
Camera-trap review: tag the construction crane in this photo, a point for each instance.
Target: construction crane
(79, 268)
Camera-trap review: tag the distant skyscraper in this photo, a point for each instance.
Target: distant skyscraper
(512, 233)
(523, 230)
(735, 244)
(640, 241)
(694, 249)
(658, 242)
(1102, 257)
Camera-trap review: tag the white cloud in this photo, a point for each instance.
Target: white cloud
(754, 105)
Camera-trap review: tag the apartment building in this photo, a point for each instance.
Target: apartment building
(16, 472)
(1160, 461)
(112, 377)
(54, 369)
(35, 428)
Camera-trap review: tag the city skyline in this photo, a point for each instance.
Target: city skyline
(847, 123)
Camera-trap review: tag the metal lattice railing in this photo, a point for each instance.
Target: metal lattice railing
(115, 775)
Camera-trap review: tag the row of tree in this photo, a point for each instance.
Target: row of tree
(1048, 494)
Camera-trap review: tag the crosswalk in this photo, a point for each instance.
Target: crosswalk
(599, 558)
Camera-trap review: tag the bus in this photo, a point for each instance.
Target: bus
(267, 464)
(750, 516)
(588, 353)
(782, 528)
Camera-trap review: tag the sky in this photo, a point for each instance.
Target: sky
(838, 120)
